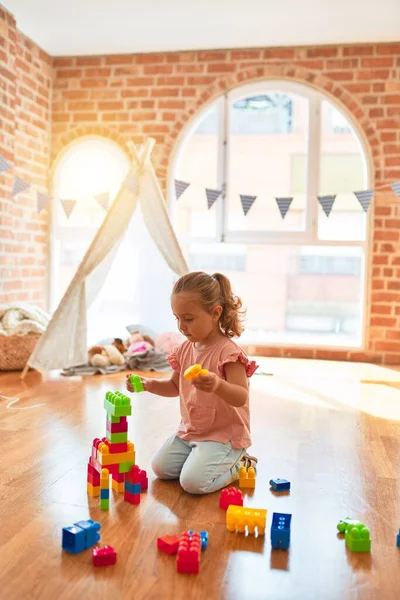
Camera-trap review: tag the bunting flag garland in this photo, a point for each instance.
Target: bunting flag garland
(132, 183)
(396, 187)
(19, 186)
(43, 201)
(284, 205)
(326, 203)
(4, 165)
(180, 187)
(247, 202)
(68, 206)
(212, 196)
(364, 197)
(103, 200)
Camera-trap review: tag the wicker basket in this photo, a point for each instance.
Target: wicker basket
(15, 350)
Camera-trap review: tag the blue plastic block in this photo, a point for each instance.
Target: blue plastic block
(132, 488)
(104, 494)
(398, 539)
(280, 531)
(204, 539)
(280, 485)
(90, 528)
(73, 539)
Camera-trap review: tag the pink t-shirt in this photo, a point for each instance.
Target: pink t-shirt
(206, 416)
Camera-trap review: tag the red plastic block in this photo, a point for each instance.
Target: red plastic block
(104, 556)
(230, 496)
(121, 427)
(189, 551)
(131, 498)
(91, 470)
(134, 475)
(168, 544)
(119, 477)
(114, 448)
(144, 482)
(94, 479)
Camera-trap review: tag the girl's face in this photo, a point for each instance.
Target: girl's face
(194, 321)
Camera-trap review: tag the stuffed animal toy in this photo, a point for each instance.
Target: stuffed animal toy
(138, 344)
(109, 354)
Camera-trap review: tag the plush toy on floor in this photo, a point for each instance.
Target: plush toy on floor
(105, 355)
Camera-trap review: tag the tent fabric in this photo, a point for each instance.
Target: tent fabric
(64, 343)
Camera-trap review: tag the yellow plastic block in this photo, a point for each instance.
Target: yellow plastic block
(240, 517)
(118, 486)
(194, 371)
(247, 477)
(93, 490)
(104, 479)
(105, 457)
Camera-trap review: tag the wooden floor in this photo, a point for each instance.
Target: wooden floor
(337, 440)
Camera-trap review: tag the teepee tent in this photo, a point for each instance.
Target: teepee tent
(64, 343)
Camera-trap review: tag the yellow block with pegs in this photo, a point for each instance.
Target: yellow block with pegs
(240, 517)
(105, 457)
(93, 490)
(194, 371)
(247, 478)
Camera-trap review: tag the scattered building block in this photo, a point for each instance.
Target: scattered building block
(203, 537)
(189, 551)
(344, 524)
(239, 517)
(280, 531)
(80, 536)
(230, 496)
(398, 539)
(104, 556)
(168, 544)
(280, 485)
(358, 538)
(247, 477)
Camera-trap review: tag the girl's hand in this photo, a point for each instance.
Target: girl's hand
(206, 383)
(145, 382)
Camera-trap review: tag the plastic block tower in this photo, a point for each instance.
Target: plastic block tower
(247, 478)
(189, 552)
(80, 536)
(280, 531)
(230, 496)
(239, 517)
(114, 454)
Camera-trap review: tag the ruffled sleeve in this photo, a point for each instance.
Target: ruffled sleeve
(173, 359)
(250, 365)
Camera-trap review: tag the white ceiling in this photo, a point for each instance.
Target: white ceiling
(84, 27)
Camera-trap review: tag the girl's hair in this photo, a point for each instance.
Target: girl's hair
(213, 290)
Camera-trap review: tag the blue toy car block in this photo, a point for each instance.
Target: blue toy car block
(104, 494)
(73, 539)
(90, 528)
(280, 531)
(132, 488)
(280, 485)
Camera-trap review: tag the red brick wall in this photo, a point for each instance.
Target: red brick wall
(134, 96)
(25, 100)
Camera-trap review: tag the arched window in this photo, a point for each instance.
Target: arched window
(302, 277)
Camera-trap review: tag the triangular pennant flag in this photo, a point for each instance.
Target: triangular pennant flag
(19, 186)
(396, 187)
(103, 200)
(4, 165)
(212, 196)
(180, 187)
(68, 206)
(284, 205)
(364, 197)
(326, 203)
(247, 202)
(43, 201)
(132, 183)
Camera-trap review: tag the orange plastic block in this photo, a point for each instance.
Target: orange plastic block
(104, 479)
(93, 490)
(118, 486)
(247, 477)
(105, 457)
(239, 517)
(194, 371)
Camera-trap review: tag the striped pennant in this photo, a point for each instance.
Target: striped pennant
(396, 187)
(212, 196)
(180, 187)
(19, 186)
(326, 203)
(68, 206)
(284, 205)
(364, 197)
(103, 200)
(132, 183)
(4, 165)
(247, 202)
(43, 201)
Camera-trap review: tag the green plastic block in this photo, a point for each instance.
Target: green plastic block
(114, 419)
(117, 404)
(358, 538)
(136, 383)
(117, 438)
(104, 503)
(343, 525)
(125, 467)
